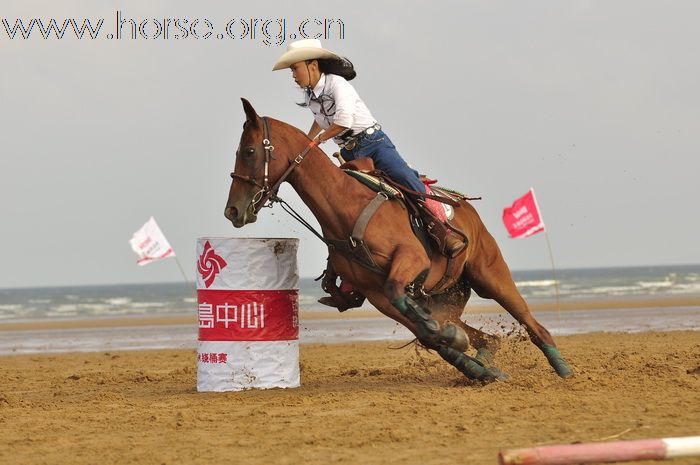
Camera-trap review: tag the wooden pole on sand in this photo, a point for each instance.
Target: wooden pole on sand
(605, 452)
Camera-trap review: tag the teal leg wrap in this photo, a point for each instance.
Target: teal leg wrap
(485, 357)
(557, 361)
(400, 303)
(429, 334)
(425, 325)
(470, 367)
(465, 365)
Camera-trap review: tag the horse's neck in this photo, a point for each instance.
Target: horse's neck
(331, 195)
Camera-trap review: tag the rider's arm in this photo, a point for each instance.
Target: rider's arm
(332, 131)
(315, 129)
(345, 97)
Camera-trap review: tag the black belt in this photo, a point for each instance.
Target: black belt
(349, 141)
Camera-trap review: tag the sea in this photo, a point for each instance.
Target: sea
(173, 299)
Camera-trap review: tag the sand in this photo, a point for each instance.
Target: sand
(359, 403)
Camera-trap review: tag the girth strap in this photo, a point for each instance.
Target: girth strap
(357, 252)
(355, 247)
(358, 232)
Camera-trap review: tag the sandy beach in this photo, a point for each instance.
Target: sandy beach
(359, 403)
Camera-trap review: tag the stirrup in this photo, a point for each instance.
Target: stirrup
(343, 301)
(454, 245)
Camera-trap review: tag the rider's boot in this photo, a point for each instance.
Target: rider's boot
(342, 298)
(449, 239)
(343, 301)
(454, 244)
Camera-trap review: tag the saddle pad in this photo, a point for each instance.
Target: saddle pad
(441, 210)
(447, 193)
(374, 183)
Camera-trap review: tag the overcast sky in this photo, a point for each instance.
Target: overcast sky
(594, 104)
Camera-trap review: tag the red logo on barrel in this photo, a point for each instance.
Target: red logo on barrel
(226, 315)
(210, 264)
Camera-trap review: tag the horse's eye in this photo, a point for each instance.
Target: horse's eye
(249, 151)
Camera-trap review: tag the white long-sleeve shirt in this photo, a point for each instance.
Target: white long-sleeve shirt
(335, 100)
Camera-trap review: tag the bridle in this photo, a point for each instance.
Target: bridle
(266, 192)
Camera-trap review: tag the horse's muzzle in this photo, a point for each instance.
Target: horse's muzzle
(230, 213)
(237, 219)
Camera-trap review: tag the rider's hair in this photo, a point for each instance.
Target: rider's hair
(340, 67)
(324, 65)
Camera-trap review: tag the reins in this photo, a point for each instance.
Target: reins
(267, 193)
(294, 214)
(354, 247)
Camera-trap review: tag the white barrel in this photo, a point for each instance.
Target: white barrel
(248, 305)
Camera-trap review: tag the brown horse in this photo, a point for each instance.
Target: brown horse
(271, 152)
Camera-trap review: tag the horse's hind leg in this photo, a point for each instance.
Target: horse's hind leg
(492, 279)
(409, 265)
(486, 345)
(449, 306)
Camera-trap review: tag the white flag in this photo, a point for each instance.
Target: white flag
(150, 244)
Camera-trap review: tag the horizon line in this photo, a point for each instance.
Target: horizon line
(314, 277)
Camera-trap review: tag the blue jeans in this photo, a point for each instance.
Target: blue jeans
(382, 151)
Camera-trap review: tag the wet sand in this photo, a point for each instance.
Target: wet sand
(359, 403)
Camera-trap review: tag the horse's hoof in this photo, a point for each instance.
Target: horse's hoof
(495, 374)
(467, 365)
(557, 361)
(455, 337)
(564, 371)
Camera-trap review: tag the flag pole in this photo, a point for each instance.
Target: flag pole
(554, 273)
(179, 265)
(523, 219)
(551, 255)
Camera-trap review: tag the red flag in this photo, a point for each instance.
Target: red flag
(523, 218)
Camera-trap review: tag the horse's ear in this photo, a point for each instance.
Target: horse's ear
(250, 113)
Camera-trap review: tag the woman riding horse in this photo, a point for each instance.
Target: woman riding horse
(340, 114)
(418, 287)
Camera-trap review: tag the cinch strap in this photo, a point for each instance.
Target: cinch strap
(358, 232)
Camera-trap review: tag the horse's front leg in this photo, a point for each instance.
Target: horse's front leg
(407, 266)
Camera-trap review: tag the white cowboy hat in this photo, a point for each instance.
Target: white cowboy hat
(300, 50)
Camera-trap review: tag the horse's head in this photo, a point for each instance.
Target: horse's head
(259, 169)
(248, 183)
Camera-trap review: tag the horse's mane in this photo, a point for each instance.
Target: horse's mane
(287, 125)
(304, 136)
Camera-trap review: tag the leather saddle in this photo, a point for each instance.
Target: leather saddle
(363, 170)
(428, 229)
(427, 226)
